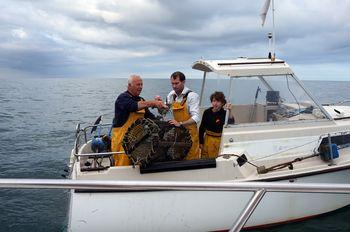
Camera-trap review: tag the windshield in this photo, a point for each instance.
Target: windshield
(264, 98)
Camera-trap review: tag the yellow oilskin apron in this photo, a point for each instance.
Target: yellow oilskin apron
(118, 135)
(181, 114)
(211, 144)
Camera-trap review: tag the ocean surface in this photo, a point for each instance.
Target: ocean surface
(37, 123)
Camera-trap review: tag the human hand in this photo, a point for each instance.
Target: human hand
(227, 106)
(158, 98)
(160, 104)
(174, 122)
(201, 147)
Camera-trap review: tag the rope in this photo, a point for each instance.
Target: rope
(279, 152)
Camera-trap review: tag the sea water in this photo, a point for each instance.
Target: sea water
(37, 123)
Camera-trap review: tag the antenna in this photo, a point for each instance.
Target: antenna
(273, 32)
(270, 37)
(263, 14)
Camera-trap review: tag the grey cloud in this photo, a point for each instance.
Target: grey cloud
(78, 37)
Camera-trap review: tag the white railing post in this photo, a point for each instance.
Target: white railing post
(248, 210)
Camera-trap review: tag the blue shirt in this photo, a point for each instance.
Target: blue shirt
(125, 104)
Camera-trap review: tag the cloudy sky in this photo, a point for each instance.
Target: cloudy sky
(113, 38)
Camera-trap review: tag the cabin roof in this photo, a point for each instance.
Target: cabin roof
(243, 67)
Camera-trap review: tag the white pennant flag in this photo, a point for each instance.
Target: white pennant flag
(264, 11)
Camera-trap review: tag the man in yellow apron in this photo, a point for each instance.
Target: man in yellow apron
(129, 107)
(185, 107)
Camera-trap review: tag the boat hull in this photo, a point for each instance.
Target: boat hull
(199, 210)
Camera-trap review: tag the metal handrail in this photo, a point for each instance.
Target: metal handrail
(79, 132)
(336, 103)
(259, 188)
(101, 154)
(91, 126)
(174, 185)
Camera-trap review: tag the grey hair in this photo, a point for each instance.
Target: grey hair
(132, 77)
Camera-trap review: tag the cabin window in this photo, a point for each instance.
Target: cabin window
(214, 82)
(264, 98)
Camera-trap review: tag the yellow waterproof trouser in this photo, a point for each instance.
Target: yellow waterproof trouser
(118, 135)
(211, 144)
(181, 114)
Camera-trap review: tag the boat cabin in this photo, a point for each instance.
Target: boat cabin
(260, 90)
(268, 103)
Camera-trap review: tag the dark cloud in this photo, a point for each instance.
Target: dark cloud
(111, 38)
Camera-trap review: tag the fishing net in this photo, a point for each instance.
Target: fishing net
(147, 141)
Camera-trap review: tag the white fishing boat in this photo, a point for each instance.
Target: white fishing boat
(281, 134)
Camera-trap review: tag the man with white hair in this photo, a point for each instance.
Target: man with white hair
(129, 107)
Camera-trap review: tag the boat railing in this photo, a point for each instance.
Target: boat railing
(337, 103)
(82, 136)
(101, 154)
(258, 188)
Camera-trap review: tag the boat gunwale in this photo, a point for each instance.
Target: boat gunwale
(288, 177)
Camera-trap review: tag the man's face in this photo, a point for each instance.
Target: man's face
(135, 87)
(177, 85)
